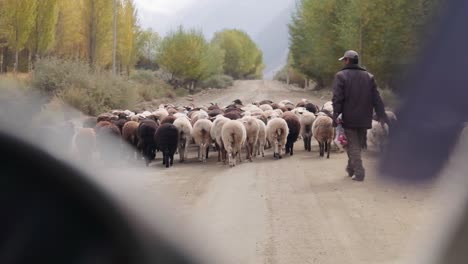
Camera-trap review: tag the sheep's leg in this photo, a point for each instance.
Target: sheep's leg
(181, 153)
(248, 146)
(207, 151)
(262, 150)
(171, 157)
(166, 158)
(292, 149)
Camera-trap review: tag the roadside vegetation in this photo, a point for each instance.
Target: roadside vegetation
(67, 50)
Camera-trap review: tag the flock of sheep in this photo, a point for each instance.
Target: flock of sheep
(228, 130)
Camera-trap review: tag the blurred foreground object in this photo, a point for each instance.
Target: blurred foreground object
(53, 213)
(434, 111)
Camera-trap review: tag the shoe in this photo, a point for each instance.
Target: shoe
(355, 178)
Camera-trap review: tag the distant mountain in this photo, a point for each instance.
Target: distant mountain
(274, 42)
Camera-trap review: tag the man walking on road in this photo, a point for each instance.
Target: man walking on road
(355, 96)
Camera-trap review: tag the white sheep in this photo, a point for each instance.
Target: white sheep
(378, 134)
(261, 141)
(233, 136)
(328, 106)
(323, 132)
(266, 107)
(307, 120)
(216, 136)
(277, 133)
(251, 128)
(201, 134)
(160, 114)
(185, 133)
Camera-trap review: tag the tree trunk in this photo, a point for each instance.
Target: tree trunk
(29, 61)
(361, 53)
(15, 68)
(1, 60)
(114, 45)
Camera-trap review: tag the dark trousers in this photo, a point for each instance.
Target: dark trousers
(355, 138)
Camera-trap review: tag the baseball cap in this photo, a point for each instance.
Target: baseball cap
(350, 54)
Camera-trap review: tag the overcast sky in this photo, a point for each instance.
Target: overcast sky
(264, 20)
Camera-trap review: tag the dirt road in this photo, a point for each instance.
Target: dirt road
(301, 209)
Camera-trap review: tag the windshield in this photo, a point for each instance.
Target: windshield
(257, 125)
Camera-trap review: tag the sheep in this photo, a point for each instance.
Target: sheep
(166, 140)
(328, 106)
(233, 115)
(378, 134)
(275, 106)
(323, 132)
(265, 107)
(106, 117)
(307, 120)
(302, 103)
(172, 111)
(129, 133)
(198, 115)
(119, 123)
(213, 107)
(214, 113)
(294, 126)
(85, 142)
(201, 135)
(146, 130)
(185, 133)
(160, 114)
(216, 136)
(135, 118)
(265, 102)
(251, 128)
(261, 141)
(277, 133)
(168, 120)
(233, 135)
(311, 108)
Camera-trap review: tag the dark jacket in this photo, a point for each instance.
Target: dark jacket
(355, 95)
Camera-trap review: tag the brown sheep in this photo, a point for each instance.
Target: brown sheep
(168, 120)
(129, 133)
(233, 115)
(324, 133)
(275, 106)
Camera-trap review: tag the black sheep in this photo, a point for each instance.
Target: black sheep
(166, 139)
(146, 144)
(311, 108)
(294, 126)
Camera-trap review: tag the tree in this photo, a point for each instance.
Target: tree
(243, 58)
(321, 31)
(42, 36)
(71, 41)
(18, 20)
(147, 48)
(97, 18)
(128, 30)
(184, 54)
